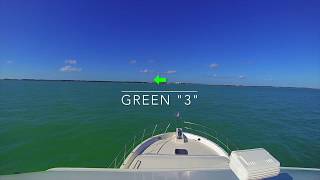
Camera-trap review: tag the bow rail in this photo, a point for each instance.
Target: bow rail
(190, 127)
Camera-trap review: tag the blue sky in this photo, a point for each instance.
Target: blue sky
(263, 42)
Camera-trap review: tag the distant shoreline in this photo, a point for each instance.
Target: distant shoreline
(144, 82)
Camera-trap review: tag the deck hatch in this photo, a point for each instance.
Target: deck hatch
(181, 151)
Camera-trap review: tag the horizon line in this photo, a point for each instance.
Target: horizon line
(164, 91)
(124, 81)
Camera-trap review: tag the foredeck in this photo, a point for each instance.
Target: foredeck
(168, 152)
(179, 162)
(195, 147)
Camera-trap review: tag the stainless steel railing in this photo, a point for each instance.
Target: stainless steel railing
(191, 127)
(206, 131)
(126, 150)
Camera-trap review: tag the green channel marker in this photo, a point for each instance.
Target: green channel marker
(158, 80)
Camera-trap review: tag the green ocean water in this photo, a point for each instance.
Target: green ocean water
(83, 124)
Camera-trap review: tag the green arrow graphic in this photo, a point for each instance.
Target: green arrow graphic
(158, 80)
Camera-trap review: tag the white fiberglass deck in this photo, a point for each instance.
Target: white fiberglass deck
(168, 146)
(166, 151)
(126, 174)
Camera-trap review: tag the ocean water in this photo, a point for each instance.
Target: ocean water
(83, 124)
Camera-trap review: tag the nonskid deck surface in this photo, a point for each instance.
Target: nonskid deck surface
(197, 153)
(168, 146)
(179, 162)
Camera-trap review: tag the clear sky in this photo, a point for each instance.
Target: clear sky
(258, 42)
